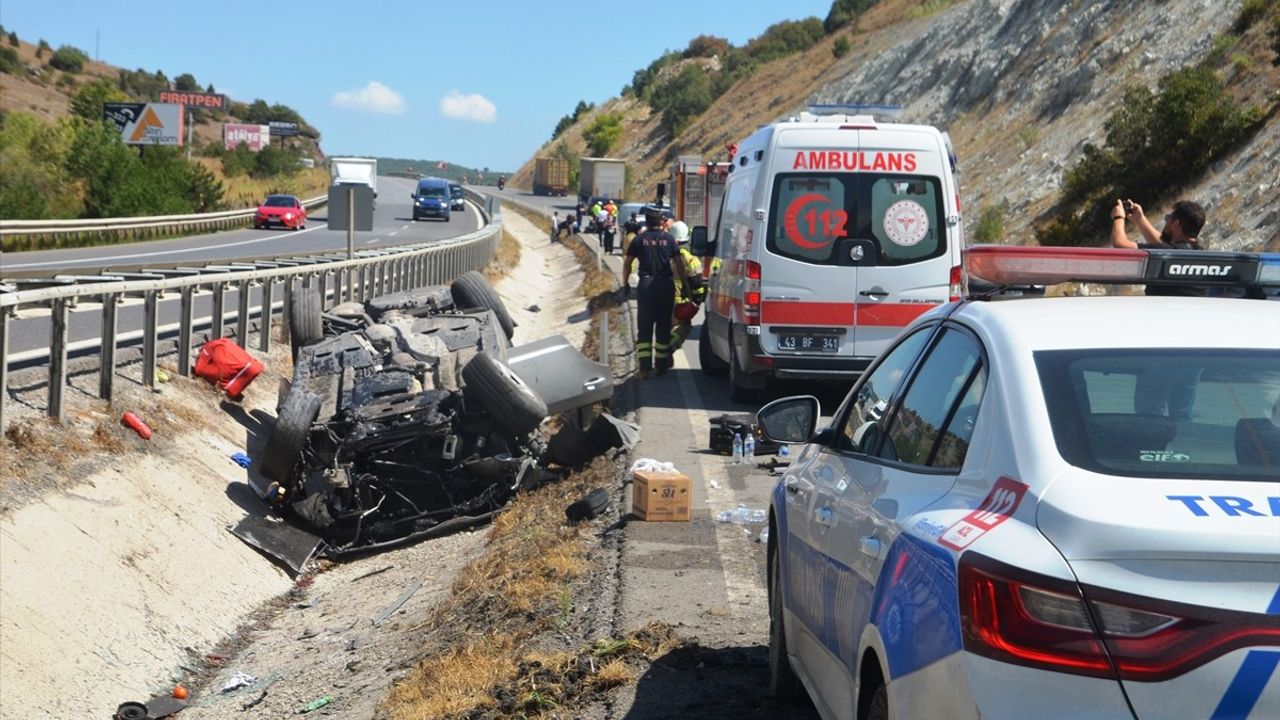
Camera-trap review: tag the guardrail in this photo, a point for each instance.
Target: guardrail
(370, 273)
(138, 226)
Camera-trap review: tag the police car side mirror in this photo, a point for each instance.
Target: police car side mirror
(791, 419)
(698, 243)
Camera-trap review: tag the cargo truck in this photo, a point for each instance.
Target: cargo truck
(354, 171)
(602, 177)
(551, 176)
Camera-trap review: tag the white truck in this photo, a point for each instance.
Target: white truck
(602, 177)
(354, 171)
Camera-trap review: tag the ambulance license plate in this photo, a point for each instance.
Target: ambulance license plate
(808, 342)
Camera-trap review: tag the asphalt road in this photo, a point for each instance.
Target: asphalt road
(393, 225)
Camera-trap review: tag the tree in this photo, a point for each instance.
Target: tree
(68, 59)
(603, 135)
(840, 47)
(683, 98)
(88, 100)
(13, 39)
(186, 82)
(42, 48)
(706, 46)
(844, 12)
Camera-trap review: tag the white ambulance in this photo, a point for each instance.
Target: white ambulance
(836, 231)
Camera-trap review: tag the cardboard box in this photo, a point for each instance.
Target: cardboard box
(661, 497)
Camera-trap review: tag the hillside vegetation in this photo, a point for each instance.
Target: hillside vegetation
(1055, 108)
(59, 159)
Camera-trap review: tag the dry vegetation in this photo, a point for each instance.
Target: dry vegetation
(505, 260)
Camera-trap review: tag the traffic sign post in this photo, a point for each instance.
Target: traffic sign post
(351, 209)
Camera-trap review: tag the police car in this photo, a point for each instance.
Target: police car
(1050, 507)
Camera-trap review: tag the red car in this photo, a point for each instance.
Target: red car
(283, 210)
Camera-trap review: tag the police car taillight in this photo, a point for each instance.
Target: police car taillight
(1015, 616)
(1018, 265)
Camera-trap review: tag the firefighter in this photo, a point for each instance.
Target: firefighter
(693, 290)
(657, 254)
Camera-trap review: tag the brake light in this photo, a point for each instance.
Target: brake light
(956, 283)
(751, 294)
(1011, 615)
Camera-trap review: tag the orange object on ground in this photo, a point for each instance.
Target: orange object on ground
(227, 365)
(180, 692)
(135, 423)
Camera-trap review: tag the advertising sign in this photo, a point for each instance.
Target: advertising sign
(255, 136)
(212, 101)
(146, 123)
(279, 128)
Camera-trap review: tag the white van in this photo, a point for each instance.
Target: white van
(836, 231)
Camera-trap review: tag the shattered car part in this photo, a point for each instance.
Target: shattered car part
(409, 418)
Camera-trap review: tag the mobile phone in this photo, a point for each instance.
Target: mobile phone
(1128, 207)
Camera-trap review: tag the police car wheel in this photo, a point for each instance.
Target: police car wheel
(879, 707)
(783, 683)
(306, 325)
(712, 366)
(284, 443)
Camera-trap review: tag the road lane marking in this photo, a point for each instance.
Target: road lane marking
(392, 233)
(114, 258)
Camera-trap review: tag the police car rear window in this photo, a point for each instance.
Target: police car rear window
(1166, 413)
(811, 213)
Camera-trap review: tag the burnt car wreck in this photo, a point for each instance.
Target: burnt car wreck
(411, 415)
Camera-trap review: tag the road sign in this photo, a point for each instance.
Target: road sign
(279, 128)
(146, 123)
(340, 205)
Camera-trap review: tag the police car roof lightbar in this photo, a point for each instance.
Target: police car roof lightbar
(1018, 265)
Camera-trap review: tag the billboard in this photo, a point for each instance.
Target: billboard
(280, 128)
(146, 123)
(255, 136)
(212, 101)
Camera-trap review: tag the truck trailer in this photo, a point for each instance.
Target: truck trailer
(354, 171)
(602, 177)
(551, 176)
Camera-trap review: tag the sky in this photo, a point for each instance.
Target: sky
(480, 83)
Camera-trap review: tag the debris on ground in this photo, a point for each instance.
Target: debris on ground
(398, 602)
(228, 366)
(587, 507)
(411, 416)
(726, 426)
(315, 705)
(241, 459)
(239, 680)
(649, 465)
(136, 424)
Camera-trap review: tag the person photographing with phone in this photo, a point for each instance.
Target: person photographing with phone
(1181, 226)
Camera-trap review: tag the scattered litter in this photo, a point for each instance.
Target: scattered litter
(228, 366)
(534, 308)
(724, 427)
(715, 485)
(131, 711)
(315, 704)
(652, 466)
(308, 634)
(764, 536)
(615, 525)
(180, 692)
(588, 506)
(241, 459)
(371, 573)
(238, 681)
(742, 515)
(135, 423)
(161, 376)
(395, 604)
(256, 701)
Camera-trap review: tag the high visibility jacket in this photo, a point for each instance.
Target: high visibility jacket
(693, 266)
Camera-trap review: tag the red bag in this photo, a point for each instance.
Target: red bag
(227, 365)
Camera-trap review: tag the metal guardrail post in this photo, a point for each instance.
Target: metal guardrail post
(288, 300)
(242, 315)
(264, 318)
(107, 360)
(186, 308)
(218, 300)
(5, 314)
(58, 357)
(322, 282)
(150, 322)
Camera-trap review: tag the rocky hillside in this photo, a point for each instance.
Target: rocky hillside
(1022, 86)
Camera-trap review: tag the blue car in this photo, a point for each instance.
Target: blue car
(432, 199)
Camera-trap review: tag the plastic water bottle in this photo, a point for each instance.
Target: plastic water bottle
(737, 449)
(784, 450)
(742, 515)
(749, 449)
(764, 536)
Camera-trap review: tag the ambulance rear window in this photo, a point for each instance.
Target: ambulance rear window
(811, 213)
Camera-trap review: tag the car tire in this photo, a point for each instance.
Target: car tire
(738, 392)
(712, 366)
(515, 407)
(471, 290)
(588, 507)
(306, 325)
(878, 709)
(783, 683)
(284, 444)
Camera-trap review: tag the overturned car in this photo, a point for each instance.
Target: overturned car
(411, 415)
